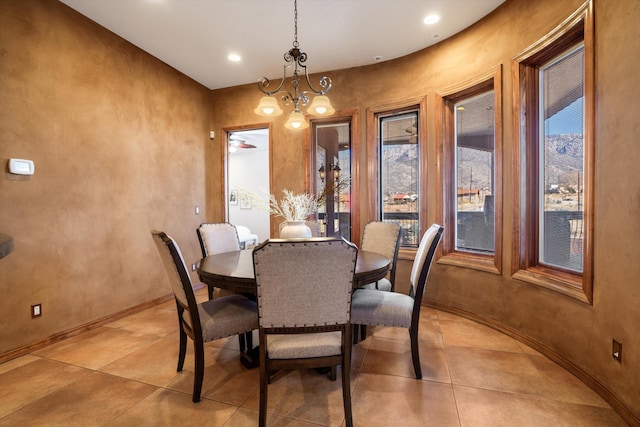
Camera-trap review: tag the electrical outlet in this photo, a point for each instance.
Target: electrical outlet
(197, 210)
(193, 267)
(617, 351)
(36, 310)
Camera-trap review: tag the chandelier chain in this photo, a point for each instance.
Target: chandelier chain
(295, 23)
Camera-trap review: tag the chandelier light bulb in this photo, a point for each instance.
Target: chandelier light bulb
(268, 106)
(321, 106)
(296, 121)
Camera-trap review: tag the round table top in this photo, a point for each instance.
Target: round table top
(234, 270)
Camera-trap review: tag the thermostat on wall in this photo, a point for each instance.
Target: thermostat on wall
(21, 166)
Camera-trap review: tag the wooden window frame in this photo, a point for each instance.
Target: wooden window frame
(578, 28)
(445, 134)
(353, 117)
(373, 161)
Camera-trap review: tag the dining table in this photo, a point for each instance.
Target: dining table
(233, 271)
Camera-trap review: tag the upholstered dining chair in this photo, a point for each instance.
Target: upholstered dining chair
(384, 238)
(382, 308)
(202, 322)
(304, 297)
(216, 238)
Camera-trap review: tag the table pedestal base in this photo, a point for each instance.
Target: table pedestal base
(251, 358)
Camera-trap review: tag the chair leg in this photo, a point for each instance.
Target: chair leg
(241, 340)
(355, 334)
(249, 337)
(182, 350)
(264, 381)
(415, 354)
(363, 332)
(210, 290)
(346, 382)
(346, 397)
(333, 373)
(198, 373)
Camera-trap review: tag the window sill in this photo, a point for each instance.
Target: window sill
(564, 284)
(475, 262)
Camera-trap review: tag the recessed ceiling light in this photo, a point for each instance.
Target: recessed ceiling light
(431, 19)
(234, 57)
(377, 58)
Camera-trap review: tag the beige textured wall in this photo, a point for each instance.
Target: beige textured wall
(580, 333)
(120, 146)
(118, 141)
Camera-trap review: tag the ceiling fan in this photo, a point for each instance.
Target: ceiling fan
(239, 143)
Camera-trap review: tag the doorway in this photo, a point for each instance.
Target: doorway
(248, 173)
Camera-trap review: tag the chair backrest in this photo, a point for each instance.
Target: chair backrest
(304, 283)
(423, 260)
(216, 238)
(179, 279)
(383, 238)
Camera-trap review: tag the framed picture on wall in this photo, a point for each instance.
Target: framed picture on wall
(245, 202)
(233, 197)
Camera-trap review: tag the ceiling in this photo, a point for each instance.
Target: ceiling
(196, 36)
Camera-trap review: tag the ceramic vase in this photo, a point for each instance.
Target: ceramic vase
(295, 230)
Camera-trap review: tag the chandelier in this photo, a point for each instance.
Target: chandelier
(320, 106)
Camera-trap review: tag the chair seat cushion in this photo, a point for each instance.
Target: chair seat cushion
(381, 285)
(226, 316)
(375, 307)
(302, 346)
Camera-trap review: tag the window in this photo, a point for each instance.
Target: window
(399, 174)
(397, 169)
(475, 149)
(561, 154)
(333, 177)
(555, 173)
(333, 174)
(472, 160)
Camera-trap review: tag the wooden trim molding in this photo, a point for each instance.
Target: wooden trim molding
(224, 178)
(373, 159)
(25, 349)
(353, 117)
(579, 27)
(445, 134)
(607, 394)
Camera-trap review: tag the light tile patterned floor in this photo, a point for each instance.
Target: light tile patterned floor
(124, 374)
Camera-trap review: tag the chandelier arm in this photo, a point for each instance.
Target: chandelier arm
(304, 96)
(325, 83)
(288, 98)
(264, 82)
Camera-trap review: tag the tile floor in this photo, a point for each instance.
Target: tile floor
(124, 374)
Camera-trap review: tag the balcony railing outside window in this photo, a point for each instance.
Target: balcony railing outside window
(399, 174)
